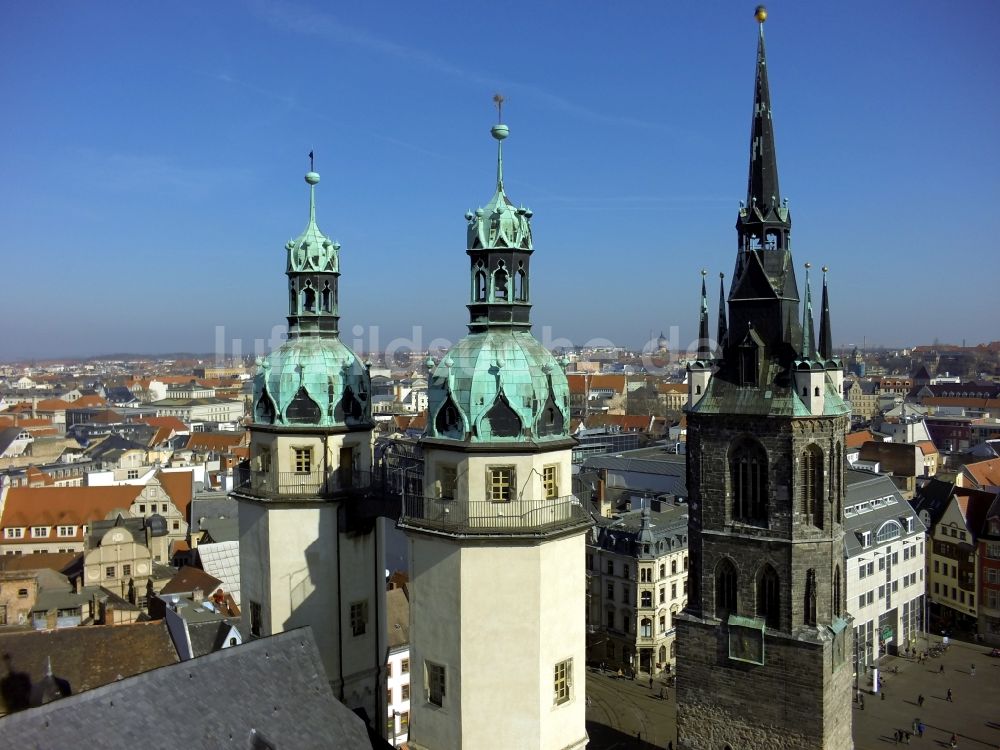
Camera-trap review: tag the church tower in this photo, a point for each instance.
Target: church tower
(764, 645)
(310, 554)
(497, 539)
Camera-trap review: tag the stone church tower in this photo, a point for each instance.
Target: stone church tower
(497, 539)
(310, 547)
(764, 646)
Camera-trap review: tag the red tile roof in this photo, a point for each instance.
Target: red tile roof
(63, 506)
(985, 473)
(859, 438)
(180, 486)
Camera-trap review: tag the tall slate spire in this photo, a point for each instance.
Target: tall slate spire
(825, 337)
(723, 327)
(762, 182)
(808, 337)
(703, 349)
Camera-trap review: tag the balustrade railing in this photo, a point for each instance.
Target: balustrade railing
(485, 516)
(304, 484)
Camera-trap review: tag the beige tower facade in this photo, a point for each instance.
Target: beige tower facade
(311, 547)
(497, 538)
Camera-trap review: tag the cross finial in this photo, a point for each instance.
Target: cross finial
(498, 100)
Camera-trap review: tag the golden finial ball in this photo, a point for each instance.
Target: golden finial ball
(760, 14)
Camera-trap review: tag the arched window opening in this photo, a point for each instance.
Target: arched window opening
(500, 278)
(836, 591)
(810, 604)
(748, 482)
(725, 589)
(697, 390)
(646, 628)
(521, 284)
(673, 567)
(888, 531)
(769, 597)
(480, 290)
(816, 391)
(811, 470)
(325, 298)
(293, 300)
(309, 298)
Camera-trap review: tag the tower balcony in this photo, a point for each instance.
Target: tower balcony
(454, 517)
(293, 485)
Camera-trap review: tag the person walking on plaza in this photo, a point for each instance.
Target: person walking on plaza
(941, 669)
(949, 696)
(973, 670)
(920, 700)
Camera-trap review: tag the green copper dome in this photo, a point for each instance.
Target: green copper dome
(498, 386)
(313, 379)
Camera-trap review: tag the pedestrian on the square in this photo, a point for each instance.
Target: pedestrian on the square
(973, 670)
(916, 723)
(906, 737)
(895, 737)
(650, 683)
(949, 696)
(861, 701)
(920, 700)
(920, 729)
(941, 669)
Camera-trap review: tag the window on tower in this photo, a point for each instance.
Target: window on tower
(748, 482)
(359, 617)
(500, 483)
(302, 458)
(810, 604)
(550, 481)
(769, 596)
(434, 683)
(448, 479)
(725, 589)
(811, 469)
(563, 681)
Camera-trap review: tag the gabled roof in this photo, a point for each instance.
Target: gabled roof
(190, 578)
(984, 473)
(64, 506)
(578, 382)
(397, 617)
(172, 423)
(220, 442)
(927, 447)
(179, 485)
(270, 692)
(627, 422)
(859, 438)
(86, 657)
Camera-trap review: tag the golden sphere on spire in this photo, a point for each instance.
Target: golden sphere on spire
(760, 14)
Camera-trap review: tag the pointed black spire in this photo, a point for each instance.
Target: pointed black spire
(704, 352)
(825, 337)
(723, 327)
(808, 339)
(762, 183)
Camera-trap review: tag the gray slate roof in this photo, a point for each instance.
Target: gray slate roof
(879, 501)
(274, 687)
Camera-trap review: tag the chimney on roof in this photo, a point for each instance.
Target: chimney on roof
(198, 595)
(77, 584)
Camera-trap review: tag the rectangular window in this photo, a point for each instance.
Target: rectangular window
(549, 481)
(256, 618)
(40, 532)
(611, 567)
(647, 598)
(67, 531)
(448, 477)
(109, 571)
(663, 623)
(126, 570)
(404, 666)
(404, 720)
(663, 594)
(435, 676)
(673, 591)
(405, 692)
(611, 592)
(14, 533)
(625, 596)
(871, 597)
(388, 696)
(132, 474)
(500, 483)
(563, 681)
(303, 458)
(624, 570)
(388, 670)
(142, 508)
(881, 563)
(936, 567)
(861, 600)
(359, 617)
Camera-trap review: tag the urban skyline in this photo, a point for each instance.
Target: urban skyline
(171, 155)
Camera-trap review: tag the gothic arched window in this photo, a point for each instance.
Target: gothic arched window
(809, 614)
(748, 482)
(521, 284)
(725, 588)
(325, 297)
(811, 469)
(769, 596)
(500, 278)
(479, 284)
(836, 591)
(309, 298)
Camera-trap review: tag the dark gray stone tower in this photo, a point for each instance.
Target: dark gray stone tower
(764, 645)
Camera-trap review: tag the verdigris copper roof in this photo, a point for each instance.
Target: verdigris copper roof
(312, 250)
(500, 223)
(498, 386)
(312, 381)
(769, 399)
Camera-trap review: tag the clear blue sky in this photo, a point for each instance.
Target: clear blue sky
(152, 159)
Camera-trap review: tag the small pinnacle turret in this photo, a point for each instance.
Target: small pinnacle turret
(723, 327)
(704, 351)
(808, 337)
(825, 337)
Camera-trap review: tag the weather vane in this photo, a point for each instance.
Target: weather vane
(498, 100)
(311, 165)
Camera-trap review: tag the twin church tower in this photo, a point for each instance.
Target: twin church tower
(496, 536)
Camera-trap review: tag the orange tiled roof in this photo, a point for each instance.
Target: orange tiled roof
(25, 422)
(53, 404)
(220, 442)
(180, 486)
(985, 473)
(171, 422)
(859, 438)
(88, 401)
(927, 447)
(578, 382)
(64, 506)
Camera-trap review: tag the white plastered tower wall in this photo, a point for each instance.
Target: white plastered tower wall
(499, 614)
(301, 564)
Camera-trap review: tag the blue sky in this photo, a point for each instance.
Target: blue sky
(152, 159)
